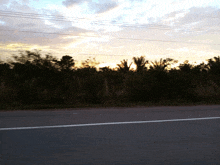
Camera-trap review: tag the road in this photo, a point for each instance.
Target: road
(77, 137)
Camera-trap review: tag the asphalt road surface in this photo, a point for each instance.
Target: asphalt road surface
(156, 135)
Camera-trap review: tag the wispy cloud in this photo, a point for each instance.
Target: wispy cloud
(96, 6)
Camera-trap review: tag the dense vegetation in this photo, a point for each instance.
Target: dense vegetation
(31, 79)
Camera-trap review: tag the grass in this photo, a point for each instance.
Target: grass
(17, 106)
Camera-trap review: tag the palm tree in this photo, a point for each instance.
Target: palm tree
(123, 67)
(162, 64)
(140, 63)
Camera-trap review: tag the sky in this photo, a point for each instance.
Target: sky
(112, 30)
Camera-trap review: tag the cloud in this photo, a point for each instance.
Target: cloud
(35, 29)
(194, 21)
(2, 2)
(98, 6)
(25, 1)
(197, 14)
(152, 20)
(69, 3)
(39, 33)
(118, 14)
(103, 7)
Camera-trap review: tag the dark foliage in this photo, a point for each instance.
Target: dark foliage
(33, 79)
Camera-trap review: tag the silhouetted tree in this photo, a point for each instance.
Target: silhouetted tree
(214, 65)
(32, 78)
(140, 63)
(162, 64)
(4, 69)
(105, 69)
(185, 67)
(66, 63)
(90, 63)
(124, 67)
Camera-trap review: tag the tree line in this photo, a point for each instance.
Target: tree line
(33, 79)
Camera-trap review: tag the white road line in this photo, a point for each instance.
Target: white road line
(110, 123)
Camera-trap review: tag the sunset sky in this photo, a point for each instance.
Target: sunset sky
(112, 30)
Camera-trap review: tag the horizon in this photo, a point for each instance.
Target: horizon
(92, 62)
